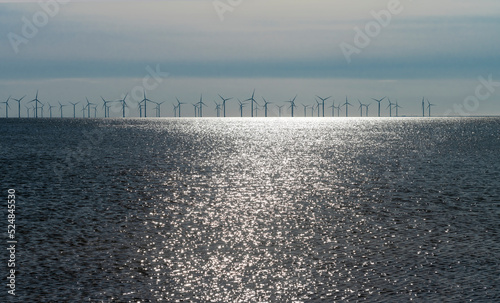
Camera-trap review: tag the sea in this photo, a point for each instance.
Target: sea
(252, 210)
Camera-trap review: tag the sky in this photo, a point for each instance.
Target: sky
(405, 50)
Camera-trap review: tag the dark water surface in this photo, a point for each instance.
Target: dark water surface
(262, 210)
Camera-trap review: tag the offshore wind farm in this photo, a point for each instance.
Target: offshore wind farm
(220, 110)
(250, 151)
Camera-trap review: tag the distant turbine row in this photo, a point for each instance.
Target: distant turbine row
(37, 107)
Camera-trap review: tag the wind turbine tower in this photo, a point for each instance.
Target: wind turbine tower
(323, 100)
(242, 104)
(124, 104)
(60, 109)
(106, 107)
(50, 109)
(158, 109)
(179, 106)
(146, 100)
(265, 106)
(19, 105)
(347, 104)
(429, 106)
(74, 108)
(360, 108)
(88, 107)
(378, 101)
(397, 107)
(390, 107)
(367, 106)
(200, 106)
(195, 109)
(7, 106)
(224, 104)
(36, 104)
(423, 107)
(252, 99)
(292, 104)
(279, 109)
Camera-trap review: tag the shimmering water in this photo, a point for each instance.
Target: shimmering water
(263, 210)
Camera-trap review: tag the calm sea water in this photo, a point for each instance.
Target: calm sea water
(254, 210)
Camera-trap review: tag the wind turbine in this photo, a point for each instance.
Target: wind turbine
(146, 100)
(7, 106)
(19, 105)
(200, 106)
(317, 106)
(139, 106)
(256, 109)
(292, 104)
(312, 110)
(397, 107)
(179, 105)
(379, 104)
(74, 108)
(429, 106)
(323, 101)
(305, 109)
(124, 104)
(367, 106)
(217, 108)
(50, 109)
(242, 104)
(390, 107)
(360, 108)
(253, 100)
(279, 108)
(88, 106)
(41, 108)
(175, 110)
(195, 109)
(83, 111)
(60, 108)
(265, 106)
(338, 109)
(27, 111)
(333, 108)
(36, 104)
(106, 107)
(224, 104)
(347, 104)
(423, 107)
(158, 108)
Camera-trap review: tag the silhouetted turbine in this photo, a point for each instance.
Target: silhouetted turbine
(292, 104)
(7, 106)
(265, 106)
(379, 104)
(279, 109)
(60, 108)
(224, 104)
(36, 104)
(323, 101)
(347, 104)
(252, 99)
(19, 105)
(429, 106)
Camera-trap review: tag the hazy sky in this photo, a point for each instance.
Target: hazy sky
(280, 48)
